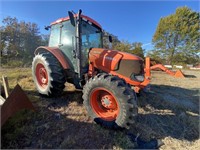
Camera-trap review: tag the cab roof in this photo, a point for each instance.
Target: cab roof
(82, 16)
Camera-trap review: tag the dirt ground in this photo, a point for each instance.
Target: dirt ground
(169, 112)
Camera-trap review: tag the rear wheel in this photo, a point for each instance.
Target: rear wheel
(48, 74)
(110, 101)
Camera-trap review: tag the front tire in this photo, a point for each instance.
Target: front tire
(110, 101)
(48, 74)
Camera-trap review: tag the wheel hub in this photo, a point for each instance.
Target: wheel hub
(41, 75)
(106, 101)
(104, 104)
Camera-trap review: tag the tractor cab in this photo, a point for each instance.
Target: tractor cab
(75, 36)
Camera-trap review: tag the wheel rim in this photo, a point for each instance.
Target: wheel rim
(104, 104)
(41, 75)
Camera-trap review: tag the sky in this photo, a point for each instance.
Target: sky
(129, 20)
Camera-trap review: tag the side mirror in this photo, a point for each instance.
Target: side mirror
(110, 39)
(71, 17)
(47, 27)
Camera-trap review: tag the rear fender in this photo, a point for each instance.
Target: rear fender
(64, 61)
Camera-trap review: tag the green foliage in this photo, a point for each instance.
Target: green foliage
(178, 35)
(125, 46)
(156, 56)
(11, 63)
(138, 50)
(133, 48)
(106, 42)
(19, 39)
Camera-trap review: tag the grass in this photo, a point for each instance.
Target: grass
(171, 114)
(22, 76)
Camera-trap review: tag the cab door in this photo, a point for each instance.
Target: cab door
(67, 43)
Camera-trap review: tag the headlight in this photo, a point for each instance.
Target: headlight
(139, 78)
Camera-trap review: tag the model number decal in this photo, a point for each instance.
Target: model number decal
(110, 58)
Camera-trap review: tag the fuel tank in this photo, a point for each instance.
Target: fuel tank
(126, 65)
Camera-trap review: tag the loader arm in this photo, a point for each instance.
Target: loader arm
(177, 74)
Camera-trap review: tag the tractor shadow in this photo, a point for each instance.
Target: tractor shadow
(190, 76)
(169, 112)
(50, 130)
(58, 123)
(46, 128)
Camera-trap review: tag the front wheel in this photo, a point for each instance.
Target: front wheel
(110, 101)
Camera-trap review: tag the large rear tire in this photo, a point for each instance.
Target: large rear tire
(48, 74)
(110, 101)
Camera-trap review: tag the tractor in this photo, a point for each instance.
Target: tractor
(109, 79)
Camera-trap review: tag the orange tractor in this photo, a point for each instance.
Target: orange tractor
(109, 79)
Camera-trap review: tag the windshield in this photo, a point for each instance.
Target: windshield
(91, 37)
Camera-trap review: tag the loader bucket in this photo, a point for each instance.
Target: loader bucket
(179, 74)
(16, 101)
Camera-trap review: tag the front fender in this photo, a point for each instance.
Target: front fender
(57, 53)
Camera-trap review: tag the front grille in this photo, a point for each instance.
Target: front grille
(128, 67)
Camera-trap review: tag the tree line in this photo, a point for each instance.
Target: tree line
(19, 39)
(176, 40)
(125, 46)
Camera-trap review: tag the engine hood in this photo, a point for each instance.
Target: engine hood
(112, 54)
(113, 60)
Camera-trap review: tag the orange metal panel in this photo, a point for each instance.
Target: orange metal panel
(107, 60)
(179, 74)
(147, 67)
(83, 16)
